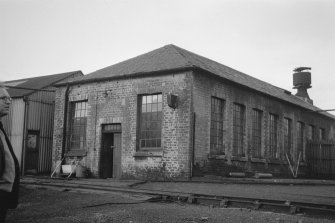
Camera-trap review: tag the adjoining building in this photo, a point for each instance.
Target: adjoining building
(31, 118)
(171, 113)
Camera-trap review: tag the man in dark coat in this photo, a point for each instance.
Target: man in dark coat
(9, 166)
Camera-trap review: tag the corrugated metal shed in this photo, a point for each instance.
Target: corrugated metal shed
(40, 114)
(30, 122)
(14, 125)
(24, 87)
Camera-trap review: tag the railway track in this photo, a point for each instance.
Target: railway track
(221, 201)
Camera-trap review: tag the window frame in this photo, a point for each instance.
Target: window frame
(73, 111)
(322, 133)
(311, 133)
(300, 138)
(287, 134)
(239, 128)
(256, 134)
(216, 127)
(273, 135)
(159, 123)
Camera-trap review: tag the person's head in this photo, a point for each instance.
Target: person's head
(5, 100)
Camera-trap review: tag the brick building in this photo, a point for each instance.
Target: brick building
(171, 113)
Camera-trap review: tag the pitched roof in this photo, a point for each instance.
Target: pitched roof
(171, 57)
(23, 87)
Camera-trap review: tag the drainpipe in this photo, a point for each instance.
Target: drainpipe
(66, 102)
(24, 140)
(193, 145)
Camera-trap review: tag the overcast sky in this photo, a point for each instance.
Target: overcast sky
(262, 38)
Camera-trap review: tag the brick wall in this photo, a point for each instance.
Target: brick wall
(205, 87)
(58, 126)
(116, 102)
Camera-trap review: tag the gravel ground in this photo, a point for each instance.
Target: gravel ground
(39, 205)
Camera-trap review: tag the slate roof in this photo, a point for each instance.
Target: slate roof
(171, 57)
(30, 85)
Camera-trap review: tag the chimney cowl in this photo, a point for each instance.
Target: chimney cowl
(301, 82)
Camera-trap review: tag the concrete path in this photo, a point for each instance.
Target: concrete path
(319, 192)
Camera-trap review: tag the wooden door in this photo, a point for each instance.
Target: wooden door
(106, 155)
(116, 155)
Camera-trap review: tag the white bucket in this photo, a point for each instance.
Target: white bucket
(68, 168)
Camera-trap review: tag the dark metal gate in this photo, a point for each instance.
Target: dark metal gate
(320, 159)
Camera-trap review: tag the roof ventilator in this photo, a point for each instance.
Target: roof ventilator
(301, 82)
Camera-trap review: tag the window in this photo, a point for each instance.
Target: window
(238, 130)
(300, 139)
(256, 133)
(216, 134)
(287, 136)
(78, 123)
(273, 130)
(311, 132)
(322, 134)
(150, 121)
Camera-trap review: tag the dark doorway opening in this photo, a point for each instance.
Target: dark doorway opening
(110, 156)
(32, 152)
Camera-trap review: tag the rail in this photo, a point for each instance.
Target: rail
(282, 206)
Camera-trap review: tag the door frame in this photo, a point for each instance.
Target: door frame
(112, 128)
(37, 133)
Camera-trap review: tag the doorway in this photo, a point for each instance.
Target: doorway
(32, 152)
(110, 156)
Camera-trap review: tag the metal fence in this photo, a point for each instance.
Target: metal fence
(320, 159)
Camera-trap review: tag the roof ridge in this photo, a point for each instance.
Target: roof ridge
(179, 51)
(126, 60)
(194, 57)
(169, 47)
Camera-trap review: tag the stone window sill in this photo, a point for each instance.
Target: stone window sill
(217, 157)
(77, 152)
(274, 161)
(153, 153)
(258, 160)
(239, 158)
